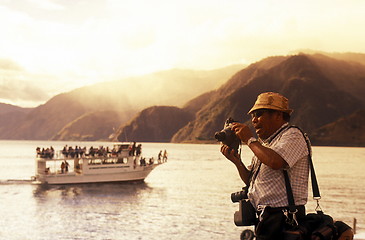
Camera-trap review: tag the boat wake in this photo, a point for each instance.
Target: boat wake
(15, 181)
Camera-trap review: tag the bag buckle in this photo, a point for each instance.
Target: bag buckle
(291, 217)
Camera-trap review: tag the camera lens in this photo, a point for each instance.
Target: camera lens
(220, 136)
(237, 196)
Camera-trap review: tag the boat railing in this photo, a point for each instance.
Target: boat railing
(59, 156)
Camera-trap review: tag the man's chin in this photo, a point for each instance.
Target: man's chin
(260, 134)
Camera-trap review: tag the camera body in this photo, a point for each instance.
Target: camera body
(227, 136)
(246, 214)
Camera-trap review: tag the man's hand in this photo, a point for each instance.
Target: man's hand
(242, 131)
(231, 154)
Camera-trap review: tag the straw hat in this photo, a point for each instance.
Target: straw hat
(271, 100)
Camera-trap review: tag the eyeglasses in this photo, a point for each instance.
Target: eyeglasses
(258, 113)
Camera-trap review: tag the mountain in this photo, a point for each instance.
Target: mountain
(195, 104)
(155, 124)
(321, 89)
(98, 125)
(8, 108)
(126, 97)
(9, 116)
(346, 131)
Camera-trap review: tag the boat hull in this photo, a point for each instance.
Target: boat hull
(75, 178)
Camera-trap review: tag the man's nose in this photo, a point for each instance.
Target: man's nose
(254, 119)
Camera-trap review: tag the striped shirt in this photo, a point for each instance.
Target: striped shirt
(267, 187)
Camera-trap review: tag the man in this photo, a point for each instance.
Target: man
(279, 147)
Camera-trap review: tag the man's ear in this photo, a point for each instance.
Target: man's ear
(279, 116)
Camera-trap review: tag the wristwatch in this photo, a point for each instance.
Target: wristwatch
(251, 140)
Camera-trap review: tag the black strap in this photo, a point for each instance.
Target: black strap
(289, 192)
(315, 188)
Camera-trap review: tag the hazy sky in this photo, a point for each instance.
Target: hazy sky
(52, 46)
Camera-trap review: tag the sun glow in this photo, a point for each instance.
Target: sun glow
(85, 42)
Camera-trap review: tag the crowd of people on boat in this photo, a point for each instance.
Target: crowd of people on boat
(81, 152)
(45, 152)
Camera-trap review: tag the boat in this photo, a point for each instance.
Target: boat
(99, 165)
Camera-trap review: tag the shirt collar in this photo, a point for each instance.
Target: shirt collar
(269, 139)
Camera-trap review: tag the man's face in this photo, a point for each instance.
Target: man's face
(265, 122)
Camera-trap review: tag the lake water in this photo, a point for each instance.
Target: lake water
(186, 198)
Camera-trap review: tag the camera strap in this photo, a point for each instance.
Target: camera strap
(315, 187)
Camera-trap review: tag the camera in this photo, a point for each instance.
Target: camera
(246, 214)
(227, 136)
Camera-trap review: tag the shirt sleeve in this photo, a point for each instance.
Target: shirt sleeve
(291, 146)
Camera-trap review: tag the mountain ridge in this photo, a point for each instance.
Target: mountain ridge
(189, 106)
(154, 124)
(304, 79)
(127, 97)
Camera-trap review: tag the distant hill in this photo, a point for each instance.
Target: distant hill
(155, 124)
(125, 97)
(347, 131)
(92, 126)
(8, 108)
(9, 117)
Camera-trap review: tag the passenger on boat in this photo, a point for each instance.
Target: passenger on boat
(65, 152)
(66, 166)
(70, 152)
(159, 156)
(164, 156)
(76, 152)
(38, 151)
(51, 152)
(132, 149)
(279, 147)
(139, 149)
(142, 161)
(92, 151)
(63, 167)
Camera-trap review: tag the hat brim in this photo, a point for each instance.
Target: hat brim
(265, 106)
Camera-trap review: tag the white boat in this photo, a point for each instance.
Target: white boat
(359, 236)
(117, 165)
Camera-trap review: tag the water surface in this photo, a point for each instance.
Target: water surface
(186, 198)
